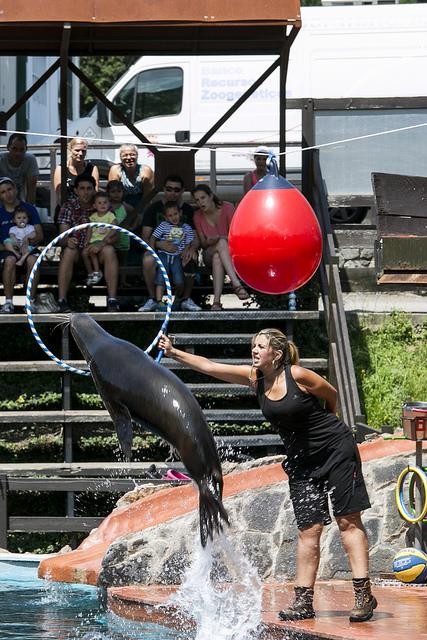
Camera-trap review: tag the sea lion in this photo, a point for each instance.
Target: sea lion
(136, 389)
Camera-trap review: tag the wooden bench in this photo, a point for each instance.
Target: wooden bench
(401, 245)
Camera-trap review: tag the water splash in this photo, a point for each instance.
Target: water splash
(221, 591)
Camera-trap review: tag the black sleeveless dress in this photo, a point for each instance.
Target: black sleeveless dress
(316, 440)
(70, 177)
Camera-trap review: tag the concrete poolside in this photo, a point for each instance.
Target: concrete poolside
(401, 612)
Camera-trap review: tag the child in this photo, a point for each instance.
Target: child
(181, 235)
(126, 217)
(20, 236)
(96, 236)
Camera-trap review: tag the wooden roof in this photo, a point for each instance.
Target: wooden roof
(146, 26)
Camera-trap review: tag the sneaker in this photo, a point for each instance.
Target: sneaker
(161, 306)
(89, 279)
(96, 277)
(190, 305)
(63, 306)
(112, 305)
(7, 307)
(149, 305)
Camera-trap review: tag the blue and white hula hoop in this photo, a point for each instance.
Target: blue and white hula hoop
(67, 233)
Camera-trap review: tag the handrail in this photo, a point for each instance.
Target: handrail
(341, 368)
(69, 523)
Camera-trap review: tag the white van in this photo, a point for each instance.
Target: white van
(347, 51)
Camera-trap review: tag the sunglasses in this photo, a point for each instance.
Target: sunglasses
(173, 189)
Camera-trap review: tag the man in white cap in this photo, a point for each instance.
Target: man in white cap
(260, 158)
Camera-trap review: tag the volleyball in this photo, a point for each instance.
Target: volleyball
(410, 565)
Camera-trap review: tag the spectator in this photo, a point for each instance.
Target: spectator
(126, 217)
(212, 221)
(74, 212)
(179, 235)
(21, 235)
(97, 236)
(137, 179)
(21, 167)
(153, 215)
(76, 166)
(260, 158)
(9, 202)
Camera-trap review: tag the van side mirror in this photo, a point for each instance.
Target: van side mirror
(102, 115)
(182, 136)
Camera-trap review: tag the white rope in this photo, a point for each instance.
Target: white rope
(215, 150)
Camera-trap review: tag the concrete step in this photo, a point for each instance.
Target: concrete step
(48, 366)
(99, 416)
(223, 316)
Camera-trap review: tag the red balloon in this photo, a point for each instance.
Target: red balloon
(275, 239)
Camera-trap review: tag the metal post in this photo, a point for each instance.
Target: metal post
(420, 528)
(63, 84)
(66, 405)
(3, 512)
(284, 60)
(308, 135)
(212, 169)
(284, 63)
(52, 198)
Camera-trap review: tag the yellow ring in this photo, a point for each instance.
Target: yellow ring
(399, 502)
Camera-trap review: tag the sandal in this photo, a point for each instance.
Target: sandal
(216, 306)
(241, 292)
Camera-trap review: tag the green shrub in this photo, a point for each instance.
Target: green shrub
(390, 365)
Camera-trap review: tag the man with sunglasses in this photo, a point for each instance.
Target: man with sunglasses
(153, 216)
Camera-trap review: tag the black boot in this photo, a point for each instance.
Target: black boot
(365, 602)
(302, 607)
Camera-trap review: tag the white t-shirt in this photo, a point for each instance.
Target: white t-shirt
(21, 233)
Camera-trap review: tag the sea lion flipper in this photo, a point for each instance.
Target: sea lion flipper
(123, 422)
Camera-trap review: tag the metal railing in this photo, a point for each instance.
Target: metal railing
(341, 368)
(229, 183)
(68, 523)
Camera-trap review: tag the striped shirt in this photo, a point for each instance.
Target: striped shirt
(180, 235)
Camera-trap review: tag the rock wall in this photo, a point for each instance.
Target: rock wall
(263, 527)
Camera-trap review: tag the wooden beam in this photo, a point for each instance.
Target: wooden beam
(119, 115)
(237, 104)
(29, 92)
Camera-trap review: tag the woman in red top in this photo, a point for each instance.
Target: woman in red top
(212, 222)
(260, 158)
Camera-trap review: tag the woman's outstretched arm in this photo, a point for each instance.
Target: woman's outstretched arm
(236, 374)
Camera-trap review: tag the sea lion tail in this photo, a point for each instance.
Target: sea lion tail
(211, 510)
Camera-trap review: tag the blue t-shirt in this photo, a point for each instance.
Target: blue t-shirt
(6, 220)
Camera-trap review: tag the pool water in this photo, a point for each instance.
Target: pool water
(33, 609)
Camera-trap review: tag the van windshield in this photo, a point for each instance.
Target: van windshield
(151, 93)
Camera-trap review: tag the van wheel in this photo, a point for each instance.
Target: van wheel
(347, 215)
